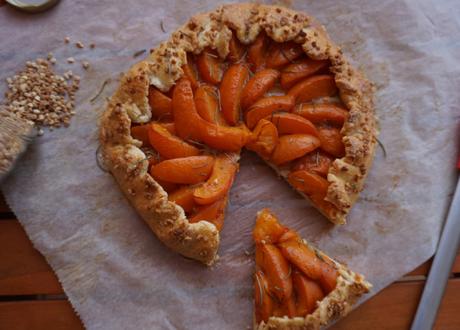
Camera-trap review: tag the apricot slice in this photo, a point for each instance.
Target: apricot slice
(313, 87)
(295, 72)
(331, 141)
(262, 300)
(309, 263)
(293, 146)
(220, 181)
(257, 86)
(236, 49)
(264, 139)
(266, 106)
(186, 170)
(308, 183)
(207, 104)
(277, 269)
(308, 293)
(167, 186)
(289, 123)
(189, 124)
(169, 146)
(282, 54)
(317, 113)
(257, 52)
(209, 66)
(140, 133)
(213, 213)
(186, 118)
(170, 127)
(160, 104)
(267, 228)
(230, 92)
(183, 197)
(190, 73)
(317, 162)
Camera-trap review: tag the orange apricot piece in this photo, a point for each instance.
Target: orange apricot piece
(308, 262)
(267, 228)
(159, 103)
(169, 127)
(186, 118)
(189, 124)
(207, 104)
(264, 139)
(190, 73)
(308, 293)
(308, 183)
(295, 72)
(326, 112)
(186, 170)
(209, 67)
(236, 49)
(183, 197)
(282, 54)
(313, 87)
(220, 181)
(289, 123)
(140, 132)
(266, 106)
(213, 213)
(169, 146)
(331, 141)
(293, 146)
(257, 52)
(277, 269)
(263, 302)
(257, 86)
(230, 92)
(167, 186)
(285, 308)
(316, 162)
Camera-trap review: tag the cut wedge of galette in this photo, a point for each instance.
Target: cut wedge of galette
(249, 76)
(296, 286)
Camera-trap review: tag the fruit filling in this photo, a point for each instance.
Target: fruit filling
(268, 97)
(290, 278)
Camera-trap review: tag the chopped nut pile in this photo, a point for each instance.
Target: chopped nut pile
(41, 96)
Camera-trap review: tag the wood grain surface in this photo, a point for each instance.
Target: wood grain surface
(31, 297)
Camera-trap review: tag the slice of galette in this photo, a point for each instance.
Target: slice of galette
(247, 75)
(295, 285)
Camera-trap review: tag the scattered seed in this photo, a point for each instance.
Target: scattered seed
(162, 26)
(85, 65)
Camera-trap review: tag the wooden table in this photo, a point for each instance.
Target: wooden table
(32, 298)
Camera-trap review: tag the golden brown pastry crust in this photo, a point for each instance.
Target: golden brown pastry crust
(162, 68)
(338, 303)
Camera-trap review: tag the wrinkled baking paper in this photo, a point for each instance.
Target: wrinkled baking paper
(115, 272)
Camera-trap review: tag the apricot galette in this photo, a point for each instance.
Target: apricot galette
(252, 76)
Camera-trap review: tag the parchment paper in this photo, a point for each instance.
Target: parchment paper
(119, 276)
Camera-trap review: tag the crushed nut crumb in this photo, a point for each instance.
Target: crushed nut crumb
(66, 40)
(79, 44)
(70, 60)
(85, 65)
(41, 96)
